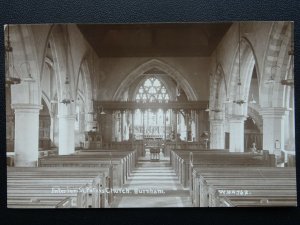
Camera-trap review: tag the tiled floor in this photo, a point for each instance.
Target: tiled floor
(153, 184)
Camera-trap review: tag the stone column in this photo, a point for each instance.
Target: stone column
(52, 121)
(143, 115)
(144, 149)
(132, 124)
(273, 129)
(66, 134)
(236, 129)
(113, 122)
(26, 134)
(90, 123)
(197, 125)
(188, 125)
(217, 134)
(175, 129)
(122, 125)
(165, 124)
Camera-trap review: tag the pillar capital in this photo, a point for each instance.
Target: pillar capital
(273, 112)
(26, 108)
(237, 118)
(70, 116)
(216, 121)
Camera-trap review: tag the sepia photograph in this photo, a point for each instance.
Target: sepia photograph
(150, 115)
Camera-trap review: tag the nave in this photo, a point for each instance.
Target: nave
(212, 103)
(188, 178)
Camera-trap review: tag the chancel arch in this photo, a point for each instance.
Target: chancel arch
(162, 66)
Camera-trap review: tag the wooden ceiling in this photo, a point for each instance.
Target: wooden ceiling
(154, 40)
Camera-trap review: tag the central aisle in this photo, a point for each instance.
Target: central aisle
(153, 184)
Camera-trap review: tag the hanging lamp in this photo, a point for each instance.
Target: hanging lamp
(207, 109)
(67, 96)
(240, 101)
(11, 75)
(290, 79)
(252, 101)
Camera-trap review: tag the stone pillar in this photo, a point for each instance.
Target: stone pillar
(175, 129)
(113, 122)
(165, 124)
(132, 122)
(26, 134)
(143, 115)
(122, 125)
(66, 134)
(144, 149)
(52, 124)
(217, 134)
(236, 129)
(188, 125)
(197, 125)
(273, 129)
(90, 123)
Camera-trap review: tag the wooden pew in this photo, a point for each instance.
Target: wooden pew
(243, 187)
(131, 157)
(183, 162)
(122, 163)
(43, 178)
(50, 188)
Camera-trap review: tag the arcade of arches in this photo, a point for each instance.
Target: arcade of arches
(196, 85)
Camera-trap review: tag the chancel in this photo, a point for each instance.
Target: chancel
(150, 115)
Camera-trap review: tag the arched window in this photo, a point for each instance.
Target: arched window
(152, 90)
(151, 122)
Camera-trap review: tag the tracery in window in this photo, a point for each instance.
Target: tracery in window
(152, 90)
(151, 122)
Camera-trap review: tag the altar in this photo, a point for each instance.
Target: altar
(155, 145)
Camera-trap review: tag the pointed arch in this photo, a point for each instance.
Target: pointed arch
(58, 41)
(275, 64)
(47, 101)
(242, 66)
(160, 65)
(218, 91)
(151, 89)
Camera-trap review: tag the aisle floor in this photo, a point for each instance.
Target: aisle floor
(153, 184)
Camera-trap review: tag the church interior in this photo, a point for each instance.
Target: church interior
(150, 115)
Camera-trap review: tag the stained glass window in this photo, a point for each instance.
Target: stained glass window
(152, 90)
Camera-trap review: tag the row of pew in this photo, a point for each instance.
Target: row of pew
(218, 178)
(86, 179)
